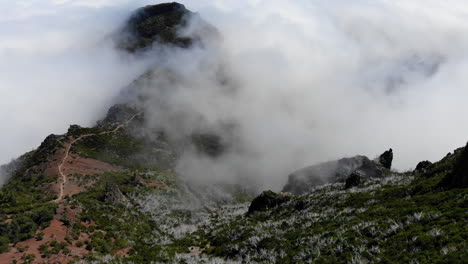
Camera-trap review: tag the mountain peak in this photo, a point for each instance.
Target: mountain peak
(151, 23)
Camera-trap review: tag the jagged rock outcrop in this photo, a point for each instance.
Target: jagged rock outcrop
(266, 200)
(386, 159)
(302, 181)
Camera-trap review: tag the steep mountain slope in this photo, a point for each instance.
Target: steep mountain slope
(110, 193)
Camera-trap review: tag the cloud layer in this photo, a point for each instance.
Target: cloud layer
(308, 81)
(314, 81)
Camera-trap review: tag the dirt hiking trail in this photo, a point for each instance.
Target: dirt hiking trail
(71, 143)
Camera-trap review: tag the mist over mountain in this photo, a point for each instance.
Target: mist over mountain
(152, 132)
(303, 83)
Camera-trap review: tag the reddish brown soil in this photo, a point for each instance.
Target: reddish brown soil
(56, 231)
(77, 165)
(73, 164)
(66, 156)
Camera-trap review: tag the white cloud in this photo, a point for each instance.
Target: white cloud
(315, 80)
(319, 80)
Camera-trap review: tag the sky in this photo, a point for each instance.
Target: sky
(314, 80)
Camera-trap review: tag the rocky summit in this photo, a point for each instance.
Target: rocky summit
(163, 24)
(111, 193)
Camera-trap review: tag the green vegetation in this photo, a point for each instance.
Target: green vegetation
(22, 194)
(23, 226)
(4, 244)
(397, 219)
(122, 149)
(26, 206)
(112, 148)
(28, 258)
(53, 248)
(108, 235)
(145, 211)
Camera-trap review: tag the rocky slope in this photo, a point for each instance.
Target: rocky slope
(110, 194)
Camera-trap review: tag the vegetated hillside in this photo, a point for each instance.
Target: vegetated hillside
(93, 192)
(110, 194)
(409, 217)
(144, 214)
(102, 191)
(109, 190)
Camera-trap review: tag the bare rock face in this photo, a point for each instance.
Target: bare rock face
(302, 181)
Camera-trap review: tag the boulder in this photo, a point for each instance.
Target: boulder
(266, 200)
(386, 159)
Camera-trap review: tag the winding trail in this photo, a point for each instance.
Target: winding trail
(69, 146)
